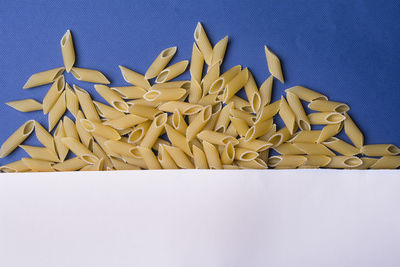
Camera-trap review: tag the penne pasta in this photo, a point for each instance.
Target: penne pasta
(44, 137)
(98, 166)
(160, 62)
(143, 102)
(57, 111)
(85, 137)
(232, 166)
(274, 64)
(195, 91)
(255, 145)
(68, 51)
(44, 77)
(203, 43)
(287, 115)
(353, 132)
(298, 110)
(172, 71)
(86, 104)
(314, 149)
(70, 128)
(41, 153)
(252, 93)
(228, 154)
(61, 149)
(125, 122)
(306, 94)
(315, 161)
(279, 137)
(219, 84)
(288, 149)
(328, 106)
(16, 166)
(100, 129)
(89, 75)
(199, 158)
(266, 91)
(129, 92)
(240, 104)
(286, 161)
(212, 156)
(165, 159)
(268, 111)
(178, 122)
(196, 65)
(53, 94)
(244, 154)
(234, 85)
(249, 118)
(134, 78)
(72, 100)
(252, 164)
(136, 161)
(210, 77)
(107, 112)
(218, 51)
(366, 163)
(387, 162)
(80, 150)
(164, 94)
(341, 146)
(123, 149)
(139, 132)
(326, 118)
(38, 165)
(184, 107)
(305, 137)
(258, 129)
(121, 165)
(344, 162)
(178, 140)
(149, 158)
(198, 123)
(145, 111)
(378, 150)
(25, 105)
(223, 119)
(231, 131)
(180, 158)
(240, 126)
(172, 85)
(154, 131)
(112, 97)
(329, 131)
(216, 138)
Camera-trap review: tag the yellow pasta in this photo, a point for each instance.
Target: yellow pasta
(255, 144)
(160, 62)
(252, 93)
(42, 78)
(129, 92)
(184, 107)
(286, 161)
(164, 94)
(134, 78)
(16, 166)
(89, 75)
(298, 110)
(288, 149)
(240, 104)
(136, 162)
(53, 94)
(246, 116)
(328, 106)
(86, 104)
(387, 162)
(178, 122)
(234, 85)
(315, 161)
(219, 84)
(196, 64)
(68, 51)
(329, 131)
(180, 158)
(216, 138)
(38, 165)
(144, 111)
(139, 132)
(305, 137)
(154, 131)
(223, 119)
(121, 165)
(97, 166)
(245, 154)
(80, 150)
(41, 153)
(380, 150)
(100, 129)
(266, 91)
(59, 133)
(178, 140)
(25, 105)
(112, 97)
(258, 129)
(306, 94)
(314, 149)
(240, 125)
(125, 121)
(107, 112)
(344, 162)
(172, 85)
(228, 154)
(287, 115)
(165, 159)
(72, 100)
(149, 158)
(195, 91)
(218, 52)
(198, 123)
(203, 43)
(366, 163)
(274, 64)
(70, 128)
(210, 77)
(341, 146)
(212, 156)
(326, 118)
(353, 132)
(199, 158)
(172, 71)
(84, 135)
(279, 137)
(268, 111)
(123, 149)
(57, 111)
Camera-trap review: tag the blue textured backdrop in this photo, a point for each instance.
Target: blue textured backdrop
(348, 50)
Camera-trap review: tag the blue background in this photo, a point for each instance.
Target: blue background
(348, 50)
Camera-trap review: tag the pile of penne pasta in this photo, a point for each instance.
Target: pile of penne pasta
(206, 124)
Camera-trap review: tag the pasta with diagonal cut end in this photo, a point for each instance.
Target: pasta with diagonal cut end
(25, 105)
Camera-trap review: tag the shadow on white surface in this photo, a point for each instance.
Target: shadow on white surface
(200, 218)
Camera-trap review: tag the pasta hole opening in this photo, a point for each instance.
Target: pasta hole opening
(7, 169)
(217, 86)
(342, 108)
(261, 163)
(276, 139)
(353, 162)
(274, 161)
(75, 74)
(249, 134)
(122, 95)
(160, 120)
(393, 149)
(216, 108)
(249, 155)
(320, 98)
(89, 159)
(134, 151)
(28, 128)
(90, 144)
(228, 139)
(335, 118)
(162, 76)
(192, 110)
(186, 85)
(121, 106)
(60, 83)
(136, 135)
(206, 114)
(176, 120)
(168, 52)
(230, 151)
(88, 125)
(256, 102)
(304, 126)
(64, 39)
(151, 95)
(197, 32)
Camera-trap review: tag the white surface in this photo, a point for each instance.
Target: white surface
(201, 218)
